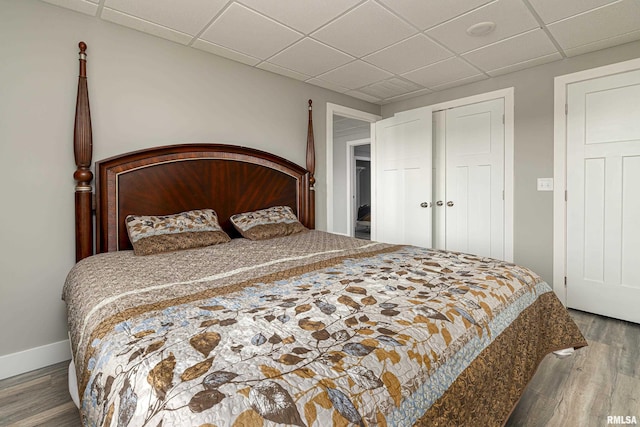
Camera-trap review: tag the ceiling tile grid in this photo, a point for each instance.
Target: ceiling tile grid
(144, 26)
(249, 32)
(380, 50)
(303, 16)
(82, 6)
(365, 29)
(410, 54)
(612, 20)
(283, 71)
(425, 14)
(510, 51)
(554, 10)
(225, 52)
(311, 57)
(190, 18)
(442, 72)
(390, 88)
(355, 74)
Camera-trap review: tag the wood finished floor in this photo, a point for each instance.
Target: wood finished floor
(600, 380)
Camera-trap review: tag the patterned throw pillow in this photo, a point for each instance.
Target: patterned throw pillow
(267, 223)
(192, 229)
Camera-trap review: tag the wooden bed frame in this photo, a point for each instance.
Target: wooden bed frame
(164, 180)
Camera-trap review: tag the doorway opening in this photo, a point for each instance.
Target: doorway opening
(348, 132)
(359, 188)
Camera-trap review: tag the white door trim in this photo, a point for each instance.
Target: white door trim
(508, 96)
(351, 162)
(353, 114)
(560, 164)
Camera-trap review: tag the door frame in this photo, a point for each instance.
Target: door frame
(352, 113)
(561, 84)
(351, 162)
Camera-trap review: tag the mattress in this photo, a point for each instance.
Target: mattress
(310, 329)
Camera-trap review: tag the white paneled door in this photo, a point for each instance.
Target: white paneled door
(474, 199)
(603, 196)
(403, 178)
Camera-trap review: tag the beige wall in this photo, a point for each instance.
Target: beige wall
(533, 144)
(144, 92)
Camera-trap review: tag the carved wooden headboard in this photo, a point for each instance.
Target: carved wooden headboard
(163, 180)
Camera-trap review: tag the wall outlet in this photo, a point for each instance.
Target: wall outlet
(545, 184)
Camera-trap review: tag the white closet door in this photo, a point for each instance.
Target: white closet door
(403, 178)
(474, 202)
(603, 196)
(439, 181)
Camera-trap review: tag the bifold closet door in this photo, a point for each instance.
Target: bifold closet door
(474, 188)
(403, 151)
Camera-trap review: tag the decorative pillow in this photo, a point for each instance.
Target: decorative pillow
(185, 230)
(267, 223)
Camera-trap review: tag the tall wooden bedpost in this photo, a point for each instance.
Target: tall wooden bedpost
(311, 167)
(82, 150)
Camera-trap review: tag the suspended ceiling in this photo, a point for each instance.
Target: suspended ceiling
(380, 51)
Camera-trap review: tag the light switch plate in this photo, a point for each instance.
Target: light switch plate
(545, 184)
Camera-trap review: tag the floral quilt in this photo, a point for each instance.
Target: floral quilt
(312, 329)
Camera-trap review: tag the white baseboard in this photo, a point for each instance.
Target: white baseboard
(34, 358)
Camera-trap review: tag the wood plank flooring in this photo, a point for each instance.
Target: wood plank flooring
(582, 390)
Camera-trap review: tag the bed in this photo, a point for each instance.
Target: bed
(287, 324)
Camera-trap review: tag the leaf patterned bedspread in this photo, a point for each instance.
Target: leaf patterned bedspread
(312, 329)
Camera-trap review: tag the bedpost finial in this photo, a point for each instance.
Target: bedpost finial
(310, 101)
(83, 56)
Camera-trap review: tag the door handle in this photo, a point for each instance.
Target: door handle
(425, 204)
(439, 203)
(449, 203)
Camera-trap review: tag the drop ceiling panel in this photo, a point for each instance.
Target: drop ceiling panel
(602, 44)
(554, 10)
(363, 96)
(410, 54)
(525, 64)
(283, 71)
(608, 21)
(363, 30)
(460, 82)
(304, 16)
(327, 85)
(248, 32)
(407, 96)
(389, 88)
(443, 72)
(189, 18)
(355, 74)
(510, 16)
(223, 51)
(145, 26)
(510, 51)
(310, 57)
(425, 14)
(82, 6)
